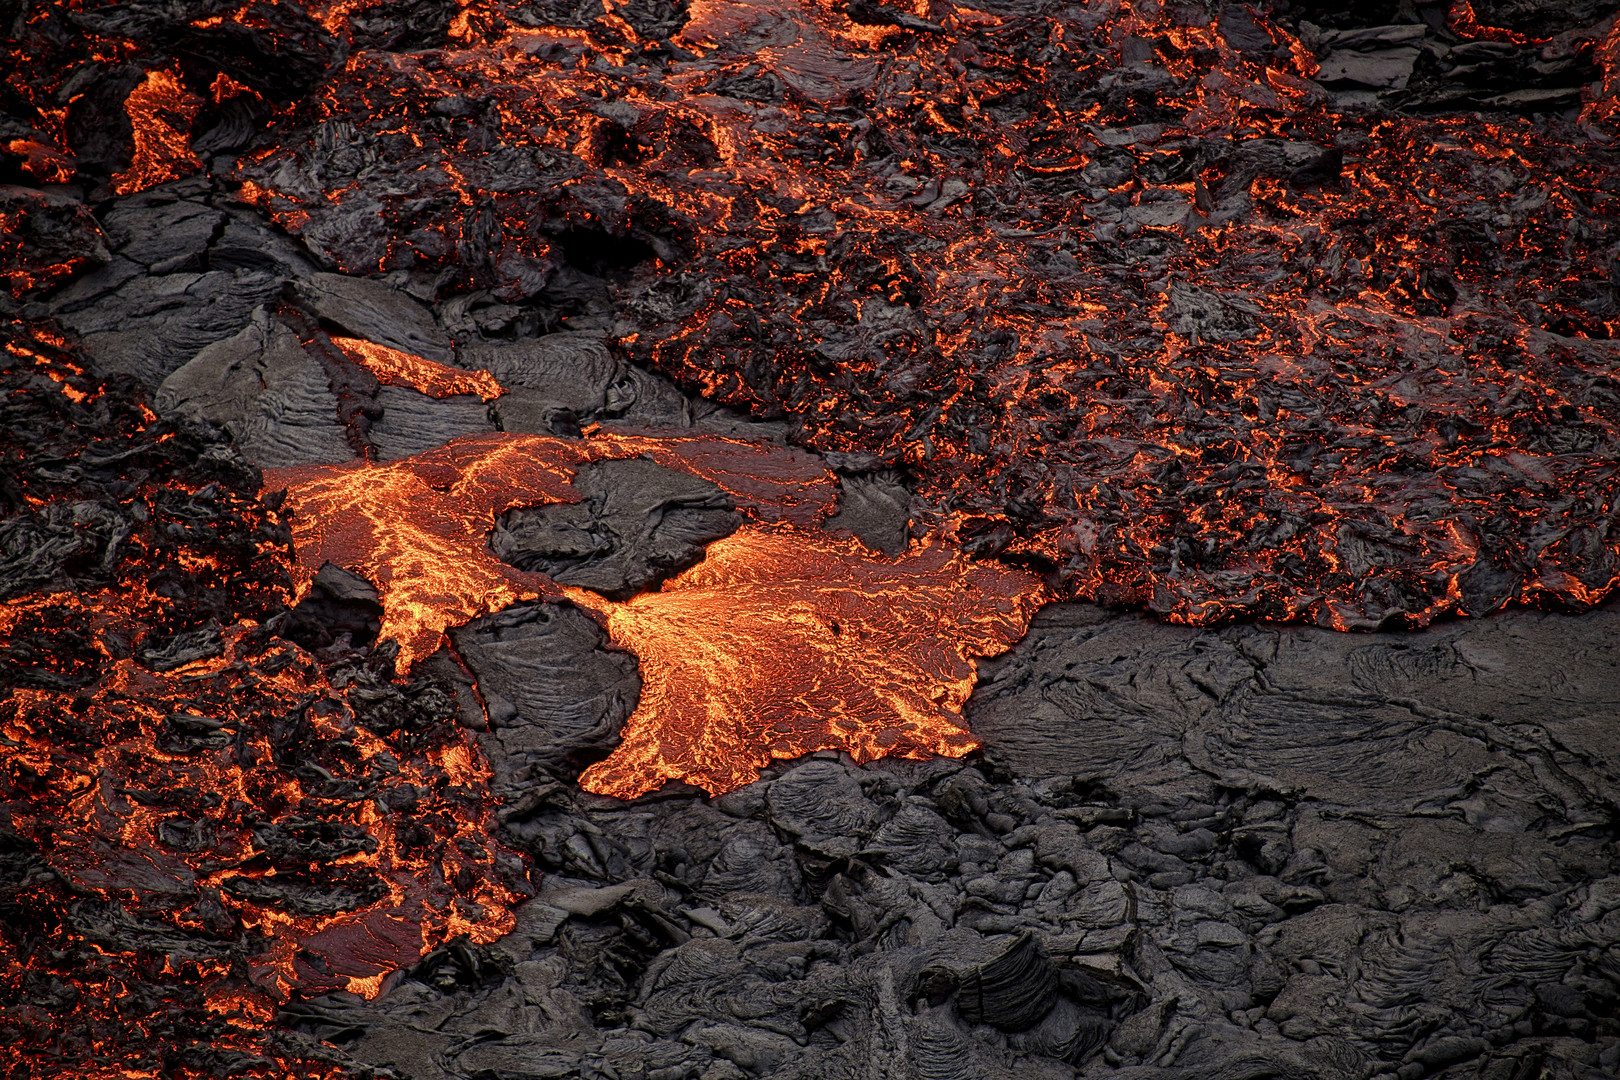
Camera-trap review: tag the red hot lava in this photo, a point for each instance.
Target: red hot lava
(1131, 295)
(198, 818)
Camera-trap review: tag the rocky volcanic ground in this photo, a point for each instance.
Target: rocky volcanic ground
(1242, 852)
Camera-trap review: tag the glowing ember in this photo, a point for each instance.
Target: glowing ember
(784, 642)
(395, 368)
(161, 110)
(201, 730)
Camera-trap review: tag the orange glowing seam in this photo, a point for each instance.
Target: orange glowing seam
(395, 368)
(416, 528)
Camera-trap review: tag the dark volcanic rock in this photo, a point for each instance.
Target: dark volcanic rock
(363, 308)
(161, 298)
(1185, 854)
(560, 381)
(411, 422)
(260, 385)
(553, 686)
(636, 524)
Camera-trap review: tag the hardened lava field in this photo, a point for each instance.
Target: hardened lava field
(809, 540)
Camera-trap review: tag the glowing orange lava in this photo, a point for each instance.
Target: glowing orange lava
(225, 826)
(782, 642)
(1127, 291)
(395, 368)
(417, 528)
(161, 110)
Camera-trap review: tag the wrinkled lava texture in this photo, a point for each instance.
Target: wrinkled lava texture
(782, 642)
(1228, 312)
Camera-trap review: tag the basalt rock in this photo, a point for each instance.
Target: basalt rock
(1102, 892)
(636, 524)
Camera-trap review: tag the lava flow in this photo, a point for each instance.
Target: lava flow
(1166, 301)
(1127, 287)
(1221, 310)
(782, 641)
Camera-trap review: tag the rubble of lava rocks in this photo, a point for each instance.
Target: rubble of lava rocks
(1239, 853)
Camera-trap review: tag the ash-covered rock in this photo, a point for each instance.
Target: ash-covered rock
(1239, 853)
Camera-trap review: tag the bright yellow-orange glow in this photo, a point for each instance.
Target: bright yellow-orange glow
(416, 528)
(161, 110)
(395, 368)
(782, 642)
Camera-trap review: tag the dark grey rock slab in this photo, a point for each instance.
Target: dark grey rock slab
(560, 381)
(373, 310)
(411, 422)
(181, 277)
(875, 508)
(263, 388)
(636, 524)
(551, 682)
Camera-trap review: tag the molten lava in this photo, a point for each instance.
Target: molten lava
(395, 368)
(782, 642)
(417, 528)
(199, 819)
(1127, 292)
(160, 110)
(1179, 306)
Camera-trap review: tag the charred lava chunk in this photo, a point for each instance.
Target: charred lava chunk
(421, 419)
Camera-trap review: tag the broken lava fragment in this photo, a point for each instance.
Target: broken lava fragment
(783, 642)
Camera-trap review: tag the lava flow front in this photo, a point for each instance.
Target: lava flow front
(782, 641)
